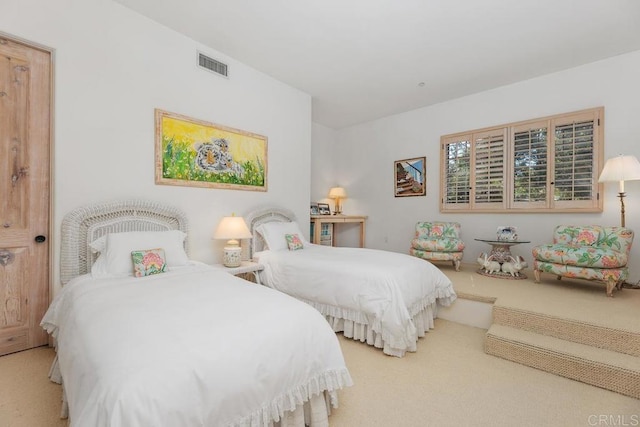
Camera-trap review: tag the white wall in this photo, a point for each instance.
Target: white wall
(112, 68)
(365, 155)
(323, 173)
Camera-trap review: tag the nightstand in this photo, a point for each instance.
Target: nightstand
(246, 267)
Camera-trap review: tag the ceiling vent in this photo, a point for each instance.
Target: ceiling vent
(212, 65)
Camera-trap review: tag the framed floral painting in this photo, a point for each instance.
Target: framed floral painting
(196, 153)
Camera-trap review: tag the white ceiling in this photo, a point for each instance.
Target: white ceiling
(365, 59)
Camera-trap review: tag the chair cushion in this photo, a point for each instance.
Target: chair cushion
(580, 256)
(583, 235)
(437, 229)
(436, 256)
(438, 244)
(603, 274)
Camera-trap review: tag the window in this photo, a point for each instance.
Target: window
(458, 154)
(548, 164)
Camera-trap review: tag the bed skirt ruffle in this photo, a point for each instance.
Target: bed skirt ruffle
(355, 325)
(307, 405)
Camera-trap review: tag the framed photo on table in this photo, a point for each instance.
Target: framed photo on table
(506, 233)
(314, 209)
(323, 209)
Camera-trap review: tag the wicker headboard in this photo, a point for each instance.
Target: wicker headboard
(261, 216)
(83, 225)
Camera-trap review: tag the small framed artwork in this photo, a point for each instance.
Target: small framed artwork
(314, 209)
(410, 177)
(323, 209)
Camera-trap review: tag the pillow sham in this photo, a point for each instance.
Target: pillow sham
(118, 248)
(99, 244)
(274, 233)
(99, 267)
(293, 242)
(148, 262)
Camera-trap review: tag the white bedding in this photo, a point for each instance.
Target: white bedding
(191, 347)
(386, 291)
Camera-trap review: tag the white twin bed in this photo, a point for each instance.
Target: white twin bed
(385, 299)
(192, 346)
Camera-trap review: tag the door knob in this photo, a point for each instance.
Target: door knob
(40, 239)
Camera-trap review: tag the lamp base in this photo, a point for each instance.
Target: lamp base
(232, 256)
(337, 210)
(622, 195)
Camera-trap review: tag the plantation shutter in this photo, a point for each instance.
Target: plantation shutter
(549, 164)
(489, 169)
(575, 169)
(530, 165)
(456, 169)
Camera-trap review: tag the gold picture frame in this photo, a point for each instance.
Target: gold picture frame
(197, 153)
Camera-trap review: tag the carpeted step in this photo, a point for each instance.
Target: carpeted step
(617, 340)
(599, 367)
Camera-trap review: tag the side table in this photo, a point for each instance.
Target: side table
(246, 267)
(318, 220)
(501, 253)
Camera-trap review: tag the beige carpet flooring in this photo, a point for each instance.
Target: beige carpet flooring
(27, 397)
(449, 381)
(580, 300)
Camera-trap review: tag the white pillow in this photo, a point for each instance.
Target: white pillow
(99, 267)
(115, 259)
(274, 233)
(99, 244)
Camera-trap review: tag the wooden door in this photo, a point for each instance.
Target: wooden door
(25, 97)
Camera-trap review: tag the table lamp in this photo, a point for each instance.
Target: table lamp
(621, 169)
(232, 228)
(337, 193)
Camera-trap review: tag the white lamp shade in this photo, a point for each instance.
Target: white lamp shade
(337, 193)
(232, 228)
(621, 168)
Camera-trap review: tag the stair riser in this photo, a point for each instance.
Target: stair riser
(582, 333)
(599, 374)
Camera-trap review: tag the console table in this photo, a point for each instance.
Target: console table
(501, 253)
(318, 220)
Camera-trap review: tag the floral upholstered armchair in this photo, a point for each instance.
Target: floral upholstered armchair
(586, 252)
(438, 241)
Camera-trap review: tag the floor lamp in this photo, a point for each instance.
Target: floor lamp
(621, 169)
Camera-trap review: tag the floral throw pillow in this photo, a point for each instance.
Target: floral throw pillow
(293, 242)
(587, 236)
(148, 262)
(437, 230)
